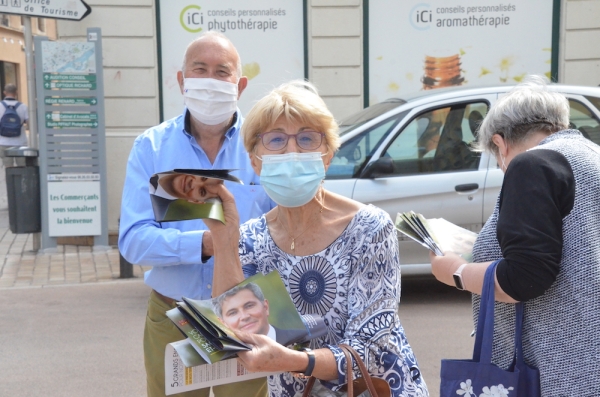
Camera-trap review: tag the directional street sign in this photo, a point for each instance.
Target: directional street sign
(71, 124)
(73, 10)
(49, 100)
(70, 85)
(69, 77)
(66, 116)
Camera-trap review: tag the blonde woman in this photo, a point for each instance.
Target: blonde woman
(338, 258)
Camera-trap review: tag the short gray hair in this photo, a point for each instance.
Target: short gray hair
(218, 301)
(10, 88)
(529, 107)
(214, 33)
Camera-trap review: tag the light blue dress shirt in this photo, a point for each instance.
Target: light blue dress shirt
(174, 249)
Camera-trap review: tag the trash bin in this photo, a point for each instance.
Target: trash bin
(23, 190)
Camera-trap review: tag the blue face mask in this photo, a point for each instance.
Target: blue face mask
(292, 179)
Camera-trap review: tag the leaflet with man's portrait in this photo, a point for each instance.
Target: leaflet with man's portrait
(260, 305)
(184, 194)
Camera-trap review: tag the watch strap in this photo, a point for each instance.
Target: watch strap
(457, 276)
(311, 361)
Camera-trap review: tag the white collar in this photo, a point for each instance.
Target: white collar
(272, 334)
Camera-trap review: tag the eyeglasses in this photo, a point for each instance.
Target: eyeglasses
(277, 140)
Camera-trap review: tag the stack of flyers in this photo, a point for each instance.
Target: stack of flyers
(415, 226)
(437, 235)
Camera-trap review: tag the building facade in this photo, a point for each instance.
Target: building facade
(335, 43)
(12, 49)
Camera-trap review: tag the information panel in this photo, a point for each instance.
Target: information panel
(268, 34)
(416, 46)
(70, 99)
(74, 209)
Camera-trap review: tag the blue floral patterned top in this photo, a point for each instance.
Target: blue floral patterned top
(354, 284)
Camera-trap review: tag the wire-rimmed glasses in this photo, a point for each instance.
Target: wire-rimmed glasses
(278, 140)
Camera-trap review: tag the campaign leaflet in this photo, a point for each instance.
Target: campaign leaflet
(209, 324)
(184, 194)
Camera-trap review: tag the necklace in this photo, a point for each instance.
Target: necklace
(293, 245)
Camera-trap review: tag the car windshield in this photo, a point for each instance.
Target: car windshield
(595, 101)
(367, 114)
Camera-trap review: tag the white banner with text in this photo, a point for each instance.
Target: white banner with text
(268, 34)
(416, 46)
(74, 209)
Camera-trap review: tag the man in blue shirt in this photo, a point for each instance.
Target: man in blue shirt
(205, 136)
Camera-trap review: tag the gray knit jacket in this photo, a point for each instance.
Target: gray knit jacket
(561, 330)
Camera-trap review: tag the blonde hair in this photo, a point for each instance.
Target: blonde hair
(298, 102)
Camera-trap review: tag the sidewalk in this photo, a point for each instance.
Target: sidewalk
(21, 267)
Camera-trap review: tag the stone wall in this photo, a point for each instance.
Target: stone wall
(580, 43)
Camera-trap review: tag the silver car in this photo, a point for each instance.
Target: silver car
(414, 154)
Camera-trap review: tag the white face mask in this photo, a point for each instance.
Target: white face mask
(210, 101)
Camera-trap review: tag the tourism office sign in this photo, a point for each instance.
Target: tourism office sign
(73, 10)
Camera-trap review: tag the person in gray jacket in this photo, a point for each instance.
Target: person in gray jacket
(544, 230)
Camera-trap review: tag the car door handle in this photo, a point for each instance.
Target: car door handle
(467, 187)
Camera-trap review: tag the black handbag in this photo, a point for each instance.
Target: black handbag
(364, 386)
(479, 376)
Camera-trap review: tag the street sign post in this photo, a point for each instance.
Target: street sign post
(73, 10)
(70, 103)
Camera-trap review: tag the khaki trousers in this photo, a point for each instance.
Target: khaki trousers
(158, 332)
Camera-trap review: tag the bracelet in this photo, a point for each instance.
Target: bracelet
(311, 361)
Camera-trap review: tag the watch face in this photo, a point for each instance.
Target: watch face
(458, 281)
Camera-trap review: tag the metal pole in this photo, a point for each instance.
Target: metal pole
(31, 100)
(32, 122)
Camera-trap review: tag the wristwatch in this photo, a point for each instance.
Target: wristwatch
(311, 361)
(458, 281)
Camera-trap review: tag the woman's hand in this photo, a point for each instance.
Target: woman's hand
(225, 238)
(269, 356)
(443, 267)
(230, 212)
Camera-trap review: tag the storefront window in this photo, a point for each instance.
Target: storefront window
(4, 20)
(8, 73)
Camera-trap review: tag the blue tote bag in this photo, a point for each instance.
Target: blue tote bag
(479, 377)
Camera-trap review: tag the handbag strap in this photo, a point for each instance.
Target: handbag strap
(482, 352)
(363, 370)
(349, 353)
(309, 386)
(349, 372)
(484, 339)
(519, 334)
